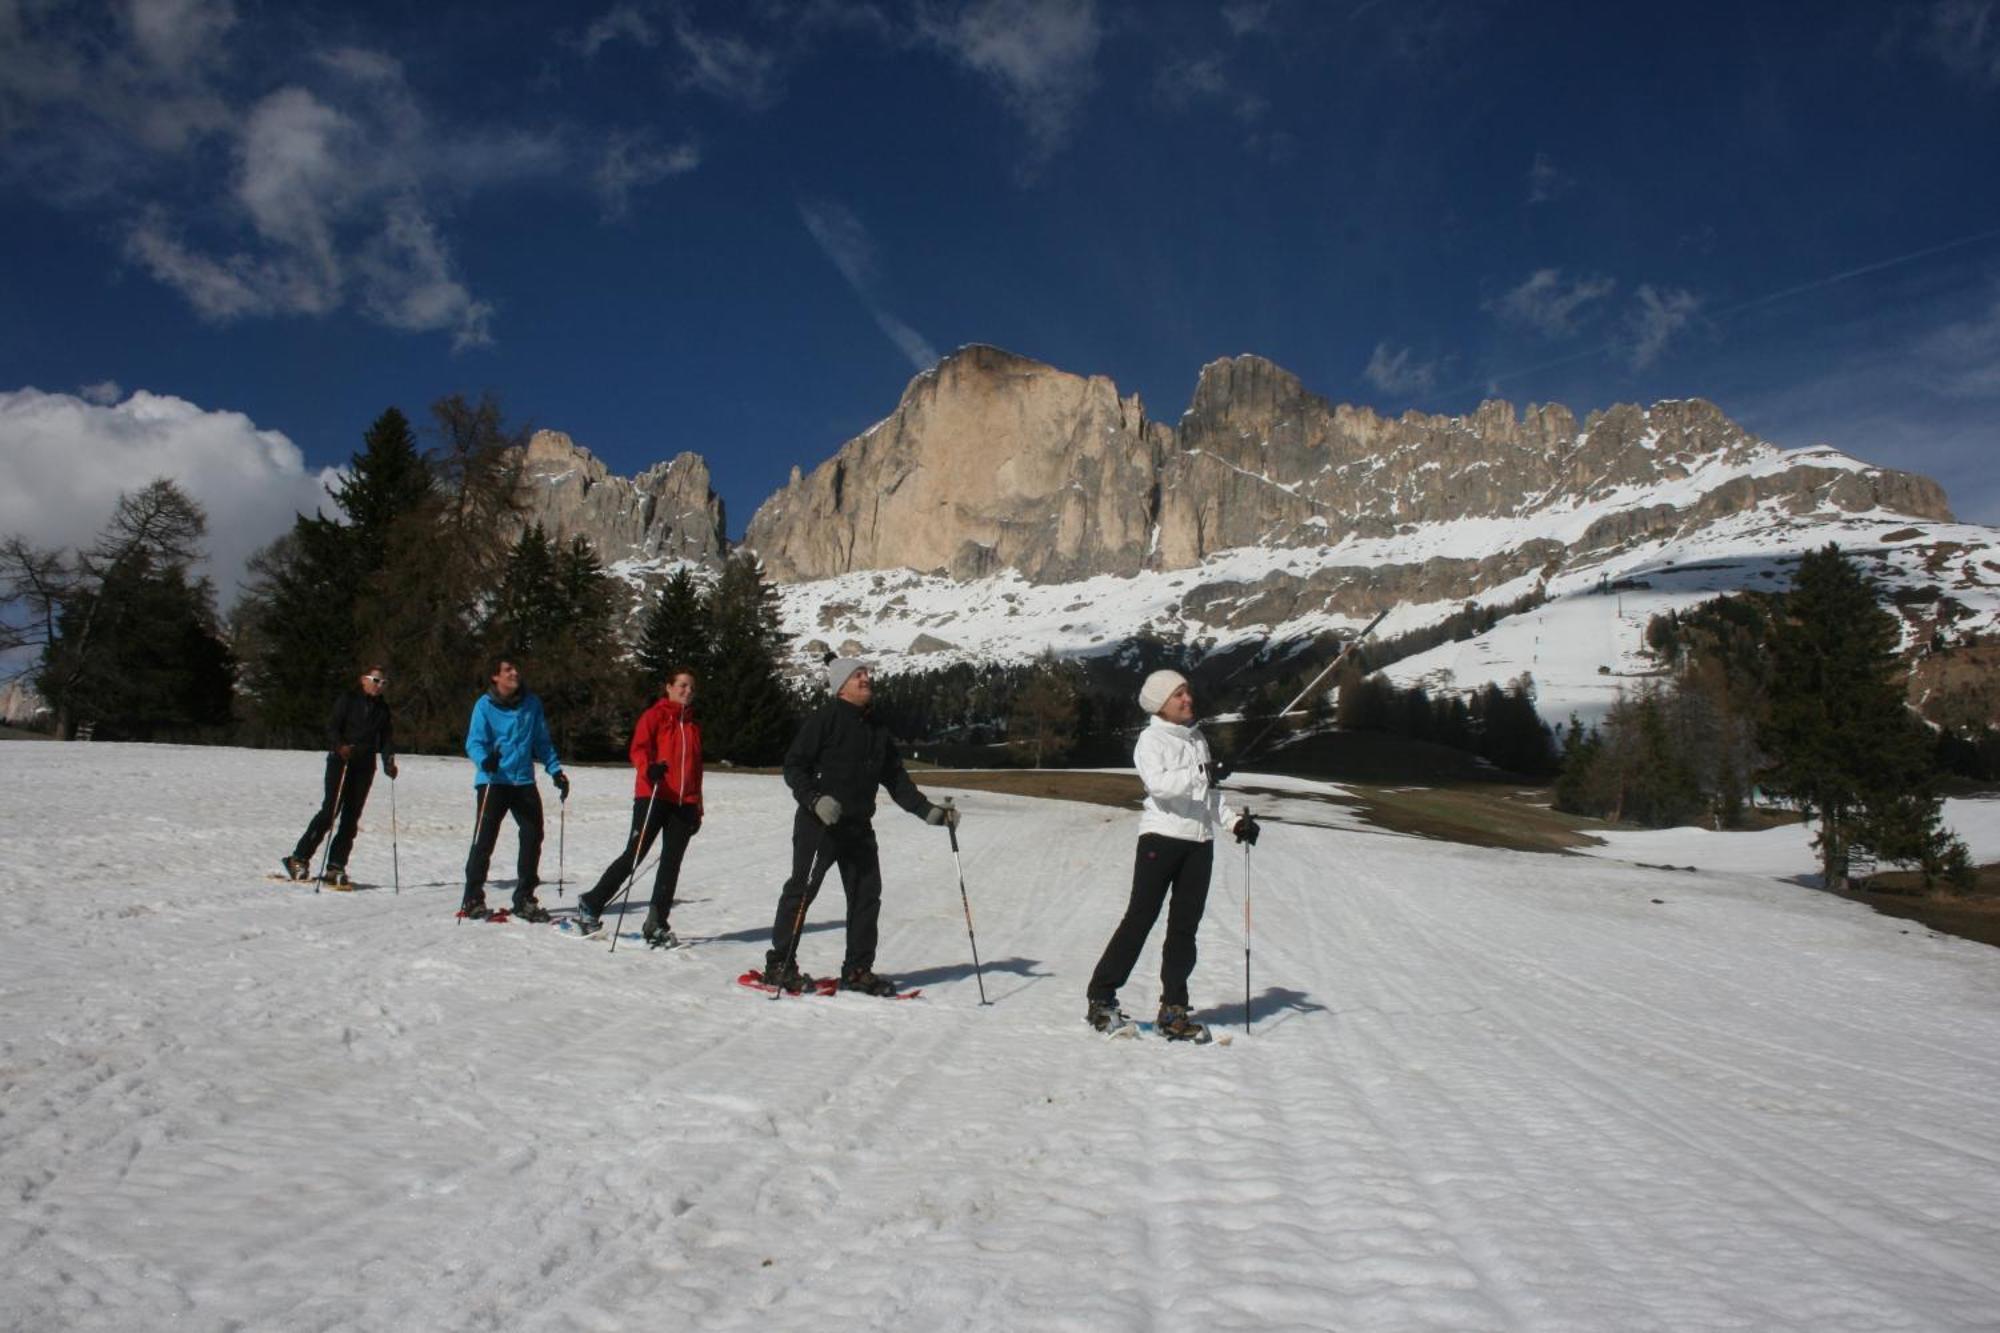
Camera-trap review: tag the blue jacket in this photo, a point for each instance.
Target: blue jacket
(518, 731)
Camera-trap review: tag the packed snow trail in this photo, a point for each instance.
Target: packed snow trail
(1485, 1090)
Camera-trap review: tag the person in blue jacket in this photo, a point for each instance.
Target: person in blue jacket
(508, 735)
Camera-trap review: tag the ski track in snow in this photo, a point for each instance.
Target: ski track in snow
(1484, 1090)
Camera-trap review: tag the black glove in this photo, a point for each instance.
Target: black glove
(562, 783)
(946, 815)
(656, 772)
(1246, 830)
(693, 819)
(344, 751)
(389, 767)
(492, 761)
(1218, 772)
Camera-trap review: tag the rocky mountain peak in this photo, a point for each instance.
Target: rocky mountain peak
(668, 512)
(995, 461)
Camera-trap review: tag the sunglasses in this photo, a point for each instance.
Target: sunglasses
(376, 680)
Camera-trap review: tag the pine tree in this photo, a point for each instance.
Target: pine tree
(677, 633)
(444, 559)
(748, 714)
(1842, 740)
(1042, 726)
(296, 621)
(136, 651)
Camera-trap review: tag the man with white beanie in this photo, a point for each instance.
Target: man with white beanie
(1177, 826)
(841, 754)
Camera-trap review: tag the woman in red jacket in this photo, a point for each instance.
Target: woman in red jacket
(666, 798)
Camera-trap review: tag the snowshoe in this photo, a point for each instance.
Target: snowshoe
(296, 868)
(865, 981)
(662, 938)
(474, 911)
(1175, 1025)
(1108, 1018)
(336, 878)
(786, 977)
(531, 910)
(586, 922)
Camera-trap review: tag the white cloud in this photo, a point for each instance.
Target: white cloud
(1039, 54)
(335, 199)
(727, 66)
(1244, 17)
(1550, 305)
(844, 239)
(103, 393)
(1660, 314)
(1964, 35)
(1962, 359)
(67, 460)
(1547, 181)
(1399, 372)
(620, 23)
(632, 162)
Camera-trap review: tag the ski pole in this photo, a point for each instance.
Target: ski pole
(1352, 644)
(478, 823)
(333, 833)
(965, 902)
(562, 842)
(636, 851)
(1246, 939)
(395, 855)
(815, 872)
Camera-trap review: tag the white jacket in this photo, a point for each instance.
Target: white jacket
(1172, 762)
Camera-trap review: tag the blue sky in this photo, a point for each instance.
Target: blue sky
(740, 229)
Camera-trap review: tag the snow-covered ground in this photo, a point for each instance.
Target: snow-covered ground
(1484, 1090)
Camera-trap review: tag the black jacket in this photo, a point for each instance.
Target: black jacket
(844, 753)
(363, 723)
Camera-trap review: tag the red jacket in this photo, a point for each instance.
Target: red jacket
(666, 736)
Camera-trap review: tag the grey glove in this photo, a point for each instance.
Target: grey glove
(827, 810)
(946, 815)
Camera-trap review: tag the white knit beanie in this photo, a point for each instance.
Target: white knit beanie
(1159, 687)
(839, 669)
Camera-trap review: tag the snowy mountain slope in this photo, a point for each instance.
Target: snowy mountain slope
(910, 621)
(1484, 1091)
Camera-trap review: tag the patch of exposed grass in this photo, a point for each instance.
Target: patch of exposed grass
(1483, 815)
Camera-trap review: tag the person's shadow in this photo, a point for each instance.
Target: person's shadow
(1275, 1001)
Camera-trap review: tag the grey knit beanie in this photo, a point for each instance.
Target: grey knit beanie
(839, 669)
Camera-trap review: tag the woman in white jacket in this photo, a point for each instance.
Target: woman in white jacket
(1177, 828)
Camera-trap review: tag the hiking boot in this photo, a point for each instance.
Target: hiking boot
(785, 976)
(531, 910)
(864, 980)
(296, 867)
(587, 919)
(1175, 1025)
(475, 910)
(659, 935)
(336, 878)
(1106, 1016)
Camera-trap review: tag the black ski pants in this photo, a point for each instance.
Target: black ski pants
(678, 823)
(850, 845)
(352, 794)
(494, 802)
(1163, 865)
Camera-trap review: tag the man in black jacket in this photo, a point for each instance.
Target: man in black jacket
(359, 730)
(833, 767)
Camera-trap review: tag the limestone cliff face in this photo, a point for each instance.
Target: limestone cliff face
(992, 461)
(667, 512)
